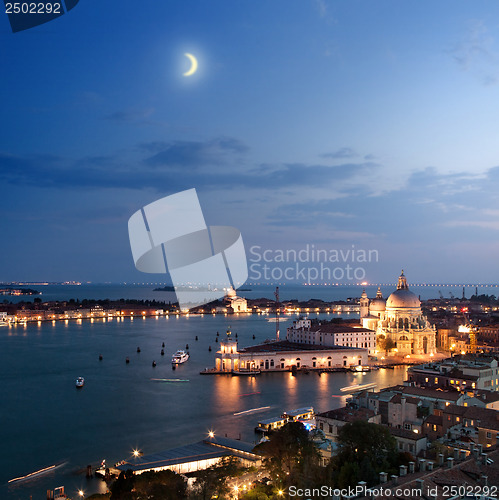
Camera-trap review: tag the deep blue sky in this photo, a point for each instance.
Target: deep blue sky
(333, 123)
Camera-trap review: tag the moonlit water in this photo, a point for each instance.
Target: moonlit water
(45, 420)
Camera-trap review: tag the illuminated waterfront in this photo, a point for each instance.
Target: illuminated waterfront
(120, 408)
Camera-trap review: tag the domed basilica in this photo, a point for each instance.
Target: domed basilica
(400, 319)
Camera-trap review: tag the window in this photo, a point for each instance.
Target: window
(489, 435)
(407, 427)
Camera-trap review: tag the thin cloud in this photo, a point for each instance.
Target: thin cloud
(193, 153)
(341, 153)
(130, 115)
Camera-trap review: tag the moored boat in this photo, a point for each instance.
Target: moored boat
(80, 382)
(246, 372)
(360, 368)
(180, 357)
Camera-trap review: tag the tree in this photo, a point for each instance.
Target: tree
(290, 455)
(212, 481)
(121, 489)
(365, 450)
(163, 485)
(385, 344)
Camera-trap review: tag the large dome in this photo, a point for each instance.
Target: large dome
(403, 298)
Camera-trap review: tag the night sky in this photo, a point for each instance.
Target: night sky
(327, 123)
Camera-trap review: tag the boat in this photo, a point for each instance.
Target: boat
(80, 382)
(360, 368)
(246, 372)
(180, 357)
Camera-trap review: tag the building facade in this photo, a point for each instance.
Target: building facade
(285, 356)
(305, 331)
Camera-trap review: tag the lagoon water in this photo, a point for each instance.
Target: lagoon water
(45, 420)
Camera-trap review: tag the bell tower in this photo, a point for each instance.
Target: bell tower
(364, 304)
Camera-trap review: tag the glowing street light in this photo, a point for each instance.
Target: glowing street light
(211, 434)
(81, 493)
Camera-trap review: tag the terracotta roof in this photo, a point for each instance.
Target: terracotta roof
(348, 414)
(397, 399)
(468, 472)
(487, 396)
(338, 328)
(403, 433)
(434, 420)
(432, 393)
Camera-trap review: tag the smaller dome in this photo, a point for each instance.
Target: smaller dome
(231, 292)
(378, 304)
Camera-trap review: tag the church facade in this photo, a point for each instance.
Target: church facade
(399, 319)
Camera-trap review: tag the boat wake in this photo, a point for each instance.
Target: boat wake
(38, 473)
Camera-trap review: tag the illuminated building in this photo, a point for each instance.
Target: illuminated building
(399, 319)
(332, 334)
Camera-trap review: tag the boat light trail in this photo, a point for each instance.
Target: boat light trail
(169, 380)
(355, 388)
(253, 409)
(249, 394)
(27, 476)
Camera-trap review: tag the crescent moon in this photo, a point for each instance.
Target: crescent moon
(194, 64)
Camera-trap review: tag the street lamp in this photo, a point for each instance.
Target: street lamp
(81, 493)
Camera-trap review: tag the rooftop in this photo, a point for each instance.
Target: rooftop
(425, 392)
(338, 328)
(348, 414)
(286, 346)
(216, 447)
(403, 433)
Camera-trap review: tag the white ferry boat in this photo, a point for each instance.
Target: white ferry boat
(180, 357)
(80, 382)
